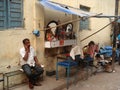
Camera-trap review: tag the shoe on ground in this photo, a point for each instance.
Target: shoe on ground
(31, 86)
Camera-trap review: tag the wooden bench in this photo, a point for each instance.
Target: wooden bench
(13, 73)
(2, 79)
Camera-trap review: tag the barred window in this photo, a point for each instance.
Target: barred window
(84, 23)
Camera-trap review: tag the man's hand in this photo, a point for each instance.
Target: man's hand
(27, 48)
(82, 57)
(36, 61)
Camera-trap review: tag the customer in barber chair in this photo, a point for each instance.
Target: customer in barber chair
(90, 50)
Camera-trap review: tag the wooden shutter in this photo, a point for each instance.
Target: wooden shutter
(15, 13)
(84, 24)
(2, 14)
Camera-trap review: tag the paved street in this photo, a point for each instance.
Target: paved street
(100, 81)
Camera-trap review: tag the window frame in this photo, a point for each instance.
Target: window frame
(84, 23)
(12, 14)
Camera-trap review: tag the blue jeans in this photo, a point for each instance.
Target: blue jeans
(77, 59)
(32, 73)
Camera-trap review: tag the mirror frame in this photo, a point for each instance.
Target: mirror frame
(69, 25)
(53, 29)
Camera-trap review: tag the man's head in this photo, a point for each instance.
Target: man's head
(91, 43)
(26, 42)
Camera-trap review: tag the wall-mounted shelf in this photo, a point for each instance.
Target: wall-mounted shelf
(59, 43)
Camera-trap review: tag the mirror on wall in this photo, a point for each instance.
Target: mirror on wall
(51, 30)
(53, 26)
(70, 34)
(69, 27)
(56, 31)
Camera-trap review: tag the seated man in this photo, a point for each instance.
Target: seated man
(90, 50)
(30, 64)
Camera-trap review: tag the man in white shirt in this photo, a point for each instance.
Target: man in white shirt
(30, 64)
(76, 50)
(76, 54)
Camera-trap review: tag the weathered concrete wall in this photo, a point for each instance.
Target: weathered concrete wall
(103, 37)
(37, 17)
(39, 24)
(106, 7)
(53, 15)
(11, 39)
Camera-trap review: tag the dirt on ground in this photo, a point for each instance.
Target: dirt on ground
(100, 81)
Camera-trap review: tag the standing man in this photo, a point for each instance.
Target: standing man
(30, 63)
(118, 47)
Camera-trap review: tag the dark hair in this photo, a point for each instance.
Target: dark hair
(91, 43)
(24, 40)
(98, 56)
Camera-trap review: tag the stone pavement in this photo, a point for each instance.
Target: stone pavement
(50, 82)
(100, 81)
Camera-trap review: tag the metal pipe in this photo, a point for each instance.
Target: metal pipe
(115, 34)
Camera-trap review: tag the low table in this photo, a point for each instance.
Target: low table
(66, 64)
